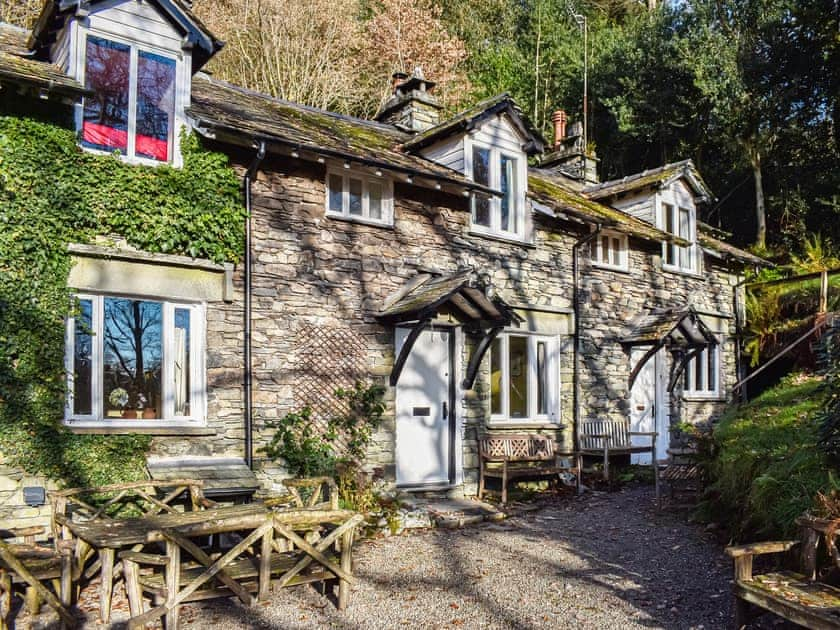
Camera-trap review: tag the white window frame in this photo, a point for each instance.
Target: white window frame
(198, 383)
(387, 206)
(600, 259)
(182, 91)
(496, 155)
(705, 392)
(666, 203)
(552, 379)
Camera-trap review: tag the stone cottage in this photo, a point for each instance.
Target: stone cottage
(486, 278)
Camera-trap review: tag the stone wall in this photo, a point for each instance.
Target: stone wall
(13, 511)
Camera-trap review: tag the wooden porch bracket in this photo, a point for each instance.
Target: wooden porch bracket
(478, 355)
(399, 364)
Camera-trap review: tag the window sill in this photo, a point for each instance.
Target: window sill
(495, 236)
(133, 161)
(361, 220)
(606, 267)
(525, 424)
(683, 272)
(139, 428)
(703, 398)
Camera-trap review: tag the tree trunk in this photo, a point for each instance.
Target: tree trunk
(760, 213)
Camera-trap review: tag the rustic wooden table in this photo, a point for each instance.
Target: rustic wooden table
(106, 537)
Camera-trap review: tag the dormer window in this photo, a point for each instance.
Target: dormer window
(133, 107)
(679, 221)
(502, 215)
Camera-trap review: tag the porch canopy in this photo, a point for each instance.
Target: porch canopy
(681, 331)
(460, 296)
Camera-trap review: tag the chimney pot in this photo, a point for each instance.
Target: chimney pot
(559, 120)
(397, 79)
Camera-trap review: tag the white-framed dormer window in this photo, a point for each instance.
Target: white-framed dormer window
(680, 221)
(524, 378)
(701, 378)
(505, 172)
(360, 197)
(135, 362)
(135, 101)
(610, 250)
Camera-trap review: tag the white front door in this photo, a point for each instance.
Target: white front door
(423, 406)
(648, 412)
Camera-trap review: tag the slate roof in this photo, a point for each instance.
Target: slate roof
(682, 327)
(221, 106)
(651, 177)
(469, 118)
(727, 251)
(16, 67)
(548, 189)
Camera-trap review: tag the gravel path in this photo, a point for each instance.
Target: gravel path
(602, 561)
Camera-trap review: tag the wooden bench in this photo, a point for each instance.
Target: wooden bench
(272, 551)
(509, 457)
(31, 565)
(796, 595)
(604, 438)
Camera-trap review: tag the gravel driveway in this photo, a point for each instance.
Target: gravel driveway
(601, 561)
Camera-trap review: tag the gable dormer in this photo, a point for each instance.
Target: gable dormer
(667, 197)
(490, 144)
(138, 58)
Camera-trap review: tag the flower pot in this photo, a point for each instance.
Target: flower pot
(129, 414)
(149, 413)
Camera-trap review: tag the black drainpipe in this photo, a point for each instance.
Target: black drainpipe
(249, 428)
(576, 339)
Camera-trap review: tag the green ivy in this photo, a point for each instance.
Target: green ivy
(52, 194)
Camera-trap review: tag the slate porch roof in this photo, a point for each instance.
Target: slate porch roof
(221, 106)
(17, 68)
(652, 177)
(469, 118)
(681, 327)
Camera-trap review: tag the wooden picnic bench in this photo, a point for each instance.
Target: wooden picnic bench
(33, 566)
(796, 595)
(517, 456)
(111, 503)
(273, 550)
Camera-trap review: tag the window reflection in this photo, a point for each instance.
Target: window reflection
(83, 359)
(107, 66)
(155, 105)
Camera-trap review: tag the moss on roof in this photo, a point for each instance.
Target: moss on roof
(729, 251)
(650, 177)
(552, 193)
(219, 104)
(13, 39)
(37, 74)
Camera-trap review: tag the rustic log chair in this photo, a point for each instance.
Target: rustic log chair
(796, 595)
(510, 457)
(604, 438)
(31, 565)
(187, 573)
(114, 501)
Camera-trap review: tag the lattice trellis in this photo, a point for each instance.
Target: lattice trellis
(328, 357)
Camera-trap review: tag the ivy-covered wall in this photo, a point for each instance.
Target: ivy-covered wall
(51, 194)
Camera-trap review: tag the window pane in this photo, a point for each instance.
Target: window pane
(375, 200)
(155, 106)
(542, 379)
(616, 252)
(668, 210)
(481, 210)
(335, 186)
(711, 383)
(356, 197)
(181, 350)
(605, 248)
(518, 376)
(509, 218)
(105, 124)
(496, 376)
(83, 359)
(684, 233)
(133, 341)
(698, 371)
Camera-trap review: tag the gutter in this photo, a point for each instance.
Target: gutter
(576, 336)
(249, 393)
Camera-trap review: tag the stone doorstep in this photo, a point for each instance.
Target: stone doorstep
(457, 513)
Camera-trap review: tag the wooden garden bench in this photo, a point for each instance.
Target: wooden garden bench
(796, 595)
(31, 565)
(272, 551)
(510, 457)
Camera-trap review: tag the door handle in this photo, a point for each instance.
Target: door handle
(445, 411)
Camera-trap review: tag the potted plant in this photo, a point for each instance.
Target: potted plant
(119, 398)
(147, 413)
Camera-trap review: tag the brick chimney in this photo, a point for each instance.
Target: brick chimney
(412, 107)
(568, 155)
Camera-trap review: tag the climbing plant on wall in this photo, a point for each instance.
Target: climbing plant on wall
(53, 194)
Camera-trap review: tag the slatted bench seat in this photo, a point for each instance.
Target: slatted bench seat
(518, 456)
